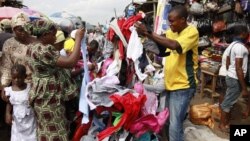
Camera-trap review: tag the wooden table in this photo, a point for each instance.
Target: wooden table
(209, 88)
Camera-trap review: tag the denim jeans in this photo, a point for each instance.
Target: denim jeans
(232, 94)
(178, 103)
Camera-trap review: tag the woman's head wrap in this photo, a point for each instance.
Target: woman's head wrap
(19, 19)
(40, 27)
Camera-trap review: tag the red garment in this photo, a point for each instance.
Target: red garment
(124, 25)
(110, 34)
(131, 106)
(149, 123)
(128, 23)
(121, 50)
(81, 129)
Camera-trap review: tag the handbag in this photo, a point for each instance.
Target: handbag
(201, 114)
(211, 6)
(197, 9)
(225, 8)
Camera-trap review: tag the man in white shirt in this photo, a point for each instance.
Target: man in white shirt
(236, 64)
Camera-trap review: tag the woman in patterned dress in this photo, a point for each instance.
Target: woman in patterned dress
(52, 86)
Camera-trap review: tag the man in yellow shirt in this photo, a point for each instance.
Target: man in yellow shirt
(180, 66)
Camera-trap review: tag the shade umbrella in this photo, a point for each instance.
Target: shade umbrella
(77, 23)
(65, 24)
(34, 14)
(8, 12)
(31, 12)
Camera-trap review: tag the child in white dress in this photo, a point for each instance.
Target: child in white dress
(22, 115)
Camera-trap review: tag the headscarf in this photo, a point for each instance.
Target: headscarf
(40, 27)
(20, 19)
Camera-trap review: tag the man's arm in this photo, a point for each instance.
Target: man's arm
(163, 41)
(240, 74)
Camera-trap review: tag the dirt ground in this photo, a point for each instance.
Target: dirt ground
(237, 110)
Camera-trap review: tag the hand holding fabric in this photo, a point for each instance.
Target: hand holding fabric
(80, 33)
(141, 28)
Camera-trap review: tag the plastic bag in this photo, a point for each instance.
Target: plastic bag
(201, 114)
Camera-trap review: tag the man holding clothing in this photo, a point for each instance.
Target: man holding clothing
(180, 66)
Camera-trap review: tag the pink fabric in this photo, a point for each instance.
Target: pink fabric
(105, 65)
(138, 87)
(151, 103)
(150, 106)
(79, 64)
(149, 123)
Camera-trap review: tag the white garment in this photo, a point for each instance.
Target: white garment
(101, 86)
(135, 48)
(138, 71)
(134, 51)
(63, 52)
(238, 51)
(115, 66)
(24, 123)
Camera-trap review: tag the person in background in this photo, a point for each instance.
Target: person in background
(70, 42)
(98, 36)
(246, 113)
(19, 114)
(180, 68)
(237, 59)
(15, 48)
(51, 84)
(90, 35)
(59, 43)
(92, 51)
(5, 26)
(4, 36)
(14, 51)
